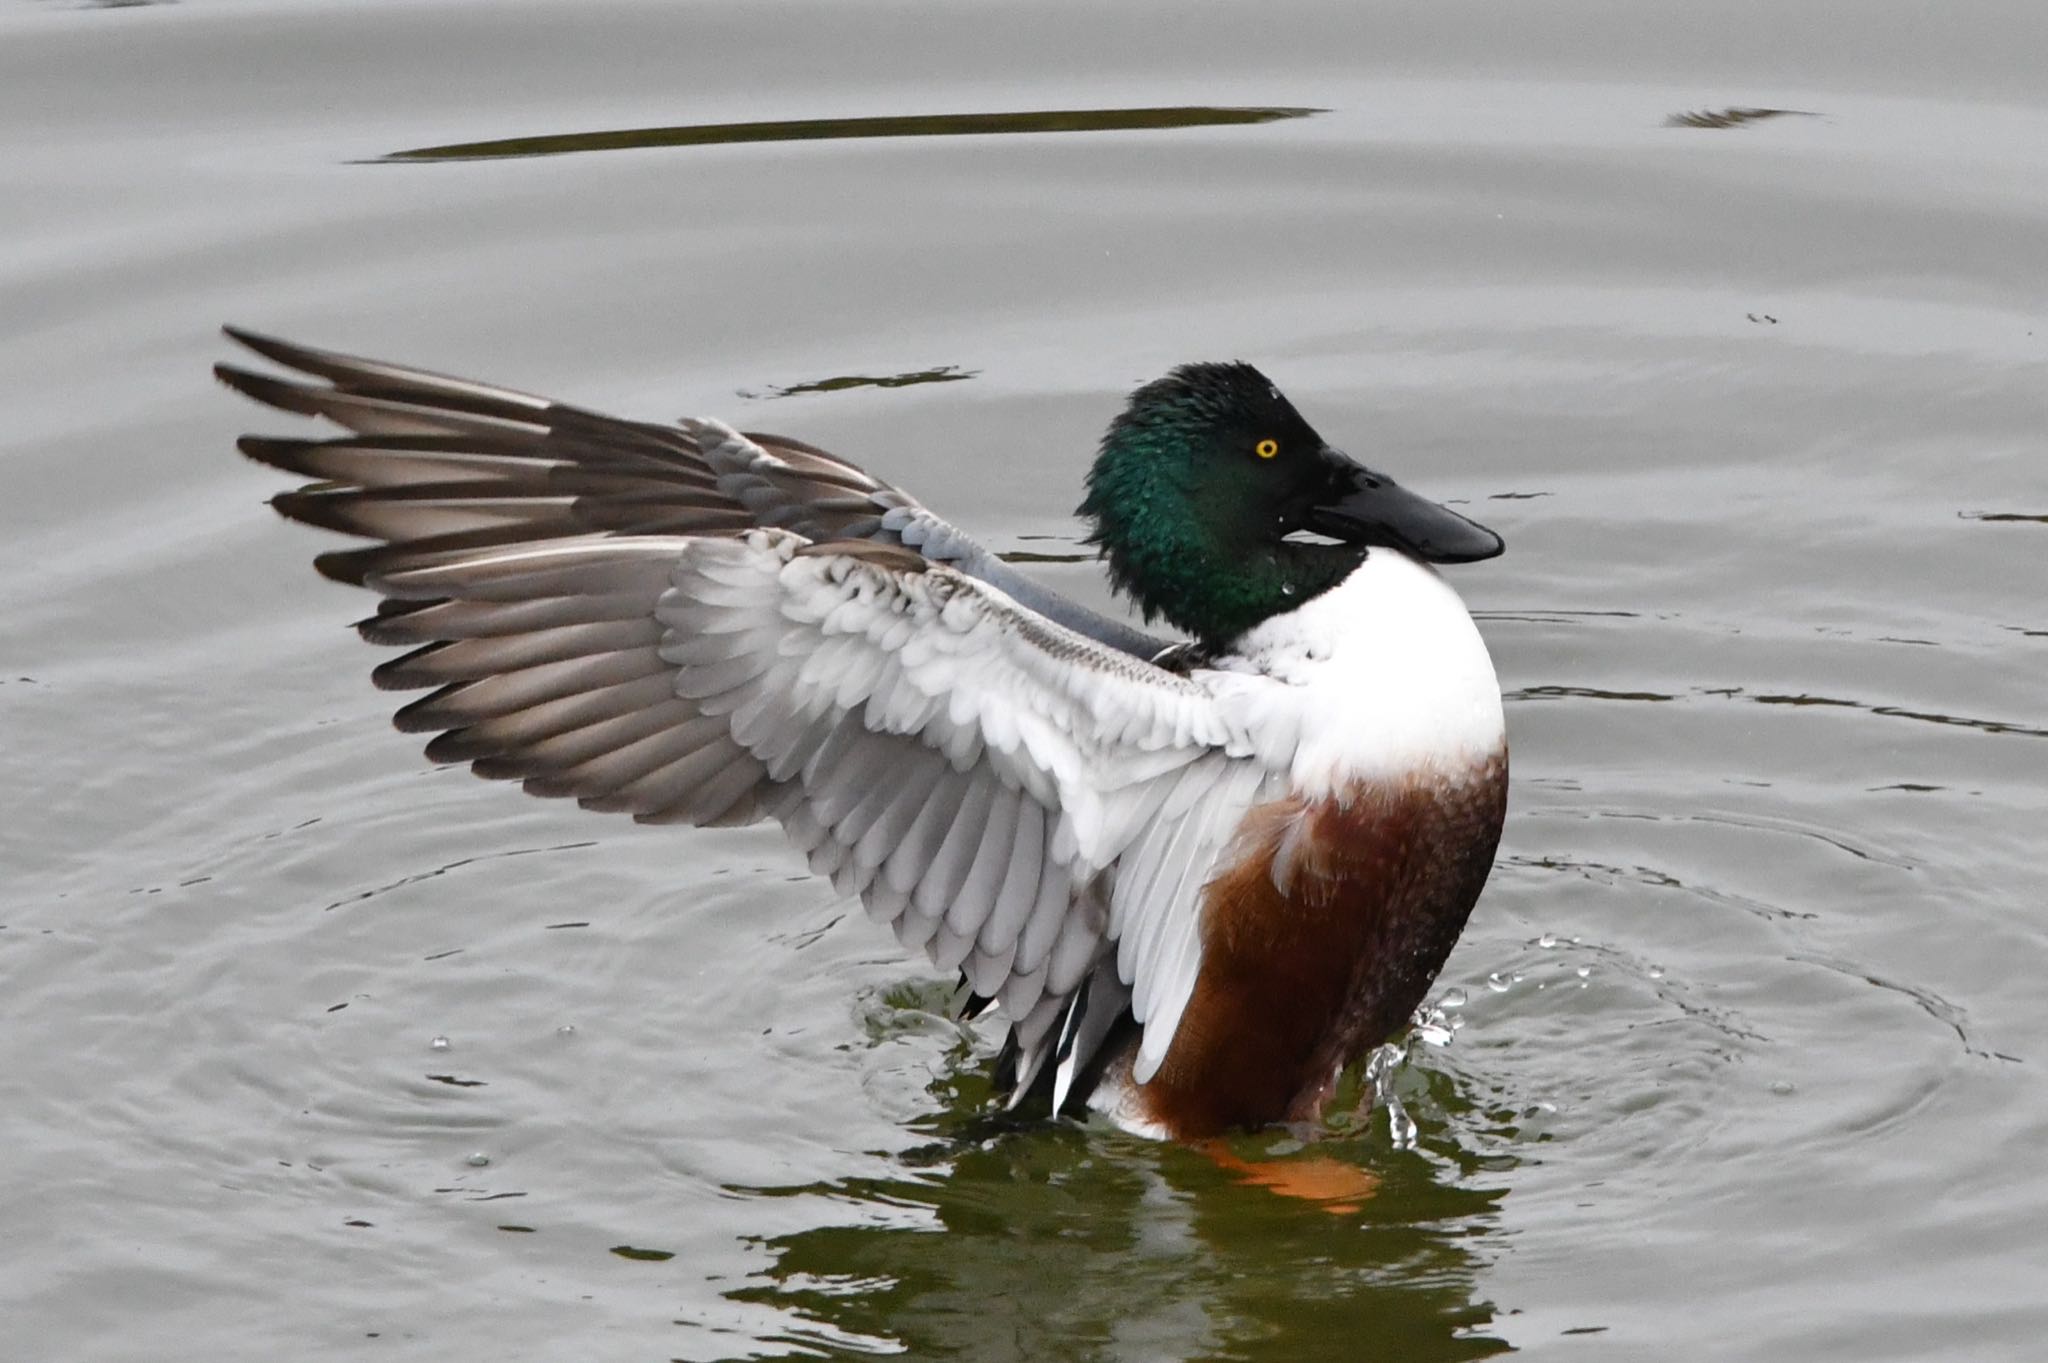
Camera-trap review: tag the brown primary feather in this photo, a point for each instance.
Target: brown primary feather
(369, 412)
(422, 622)
(438, 467)
(507, 736)
(474, 659)
(344, 369)
(394, 461)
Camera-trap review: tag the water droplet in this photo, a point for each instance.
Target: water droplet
(1400, 1126)
(478, 1160)
(1453, 998)
(1496, 983)
(1656, 972)
(1583, 971)
(1781, 1087)
(1577, 940)
(439, 1043)
(1547, 940)
(1434, 1032)
(566, 1029)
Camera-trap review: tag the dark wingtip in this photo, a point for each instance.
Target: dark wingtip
(312, 506)
(232, 376)
(282, 394)
(427, 714)
(276, 452)
(398, 673)
(348, 566)
(458, 745)
(269, 347)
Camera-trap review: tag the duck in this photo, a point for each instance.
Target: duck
(1197, 873)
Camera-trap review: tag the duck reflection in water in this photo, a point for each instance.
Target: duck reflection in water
(1082, 1242)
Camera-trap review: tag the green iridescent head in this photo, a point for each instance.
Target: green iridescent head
(1207, 481)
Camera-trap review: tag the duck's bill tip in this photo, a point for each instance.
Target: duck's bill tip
(1471, 543)
(1377, 510)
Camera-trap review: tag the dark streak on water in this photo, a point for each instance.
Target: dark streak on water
(1989, 726)
(944, 373)
(457, 865)
(1582, 693)
(1732, 118)
(821, 129)
(1036, 556)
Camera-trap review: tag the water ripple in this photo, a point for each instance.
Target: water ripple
(1949, 1015)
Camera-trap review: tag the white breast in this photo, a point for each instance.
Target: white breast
(1381, 676)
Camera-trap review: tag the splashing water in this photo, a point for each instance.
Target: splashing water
(1380, 1068)
(1401, 1127)
(1433, 1028)
(1433, 1024)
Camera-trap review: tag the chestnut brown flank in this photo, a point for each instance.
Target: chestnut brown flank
(1306, 970)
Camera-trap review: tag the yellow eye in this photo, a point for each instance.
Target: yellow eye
(1268, 448)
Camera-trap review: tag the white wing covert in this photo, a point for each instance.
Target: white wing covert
(969, 768)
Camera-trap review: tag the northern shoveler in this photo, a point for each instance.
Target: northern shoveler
(1197, 877)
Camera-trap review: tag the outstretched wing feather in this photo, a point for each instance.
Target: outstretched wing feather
(605, 618)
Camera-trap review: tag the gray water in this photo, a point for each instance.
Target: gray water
(1751, 1063)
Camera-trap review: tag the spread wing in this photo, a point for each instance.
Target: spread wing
(440, 464)
(1024, 802)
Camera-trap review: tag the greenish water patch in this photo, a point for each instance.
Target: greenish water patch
(823, 129)
(1069, 1240)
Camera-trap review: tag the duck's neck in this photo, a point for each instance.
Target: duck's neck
(1218, 591)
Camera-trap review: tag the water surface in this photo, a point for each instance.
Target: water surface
(1751, 1060)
